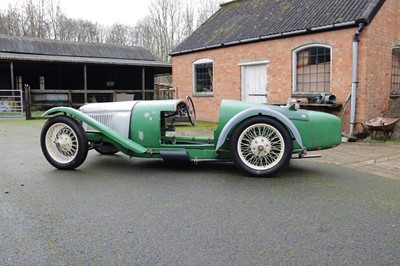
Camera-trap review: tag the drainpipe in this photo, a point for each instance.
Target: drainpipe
(354, 81)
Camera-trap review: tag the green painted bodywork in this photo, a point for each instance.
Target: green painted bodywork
(146, 121)
(147, 136)
(317, 130)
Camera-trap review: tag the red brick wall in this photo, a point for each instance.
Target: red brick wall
(376, 45)
(374, 66)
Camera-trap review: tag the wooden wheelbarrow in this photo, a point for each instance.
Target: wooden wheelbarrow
(382, 124)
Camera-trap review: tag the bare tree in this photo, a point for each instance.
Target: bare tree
(168, 23)
(10, 21)
(117, 34)
(189, 18)
(171, 21)
(165, 25)
(206, 8)
(33, 15)
(145, 34)
(55, 19)
(87, 31)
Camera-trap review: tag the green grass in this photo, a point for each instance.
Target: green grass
(14, 114)
(381, 140)
(35, 114)
(200, 125)
(202, 129)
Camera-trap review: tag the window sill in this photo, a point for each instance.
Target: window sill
(321, 106)
(203, 94)
(307, 94)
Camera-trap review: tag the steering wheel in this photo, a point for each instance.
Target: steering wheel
(191, 112)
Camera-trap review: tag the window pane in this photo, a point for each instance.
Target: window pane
(395, 84)
(204, 77)
(313, 70)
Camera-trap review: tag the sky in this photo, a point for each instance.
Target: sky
(106, 12)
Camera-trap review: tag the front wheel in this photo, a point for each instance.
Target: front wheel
(261, 146)
(63, 142)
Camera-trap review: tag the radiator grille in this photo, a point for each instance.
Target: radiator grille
(105, 119)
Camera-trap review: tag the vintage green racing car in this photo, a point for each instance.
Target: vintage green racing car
(259, 139)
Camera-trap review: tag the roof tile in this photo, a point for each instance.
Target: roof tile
(251, 19)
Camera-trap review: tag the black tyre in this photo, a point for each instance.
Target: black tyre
(106, 149)
(261, 146)
(63, 142)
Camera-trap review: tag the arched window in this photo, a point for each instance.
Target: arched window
(312, 69)
(395, 83)
(203, 77)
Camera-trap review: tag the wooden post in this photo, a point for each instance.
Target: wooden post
(85, 83)
(12, 76)
(28, 112)
(70, 98)
(143, 83)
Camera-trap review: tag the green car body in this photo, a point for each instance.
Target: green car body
(147, 123)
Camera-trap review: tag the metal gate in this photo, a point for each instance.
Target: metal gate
(11, 103)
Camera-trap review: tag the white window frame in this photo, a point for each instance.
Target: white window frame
(199, 62)
(394, 77)
(294, 67)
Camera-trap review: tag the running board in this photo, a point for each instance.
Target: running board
(175, 156)
(183, 157)
(306, 156)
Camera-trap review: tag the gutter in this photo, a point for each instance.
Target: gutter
(354, 79)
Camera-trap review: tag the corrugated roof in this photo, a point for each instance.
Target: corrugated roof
(24, 45)
(79, 59)
(251, 20)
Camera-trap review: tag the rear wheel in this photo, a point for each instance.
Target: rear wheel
(63, 142)
(261, 146)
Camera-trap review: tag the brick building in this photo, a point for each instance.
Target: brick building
(268, 51)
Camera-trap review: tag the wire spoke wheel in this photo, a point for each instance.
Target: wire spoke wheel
(63, 142)
(191, 111)
(261, 146)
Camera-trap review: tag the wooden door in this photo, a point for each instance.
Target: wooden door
(254, 83)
